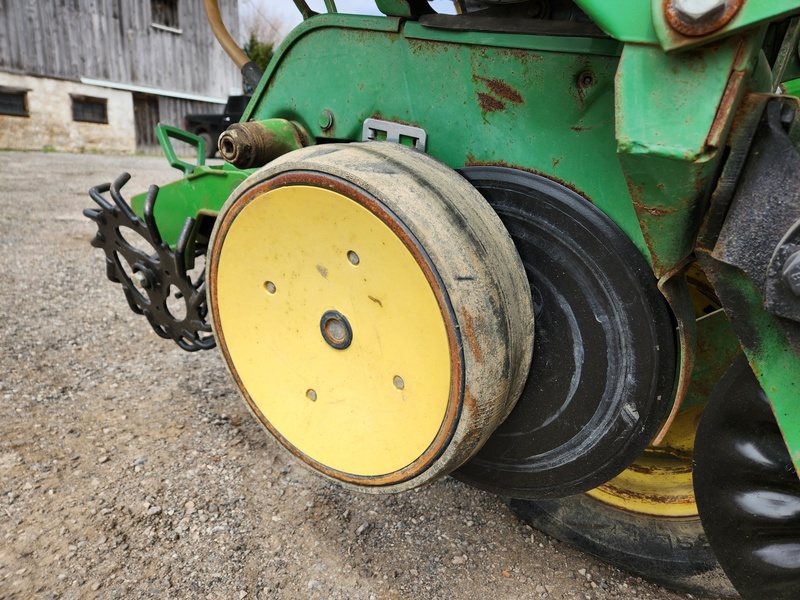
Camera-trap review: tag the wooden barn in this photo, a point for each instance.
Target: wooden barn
(97, 75)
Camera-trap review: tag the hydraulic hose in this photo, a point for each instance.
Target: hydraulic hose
(250, 70)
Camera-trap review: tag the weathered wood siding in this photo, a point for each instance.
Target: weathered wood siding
(114, 40)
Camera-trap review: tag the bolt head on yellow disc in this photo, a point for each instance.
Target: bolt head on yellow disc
(334, 330)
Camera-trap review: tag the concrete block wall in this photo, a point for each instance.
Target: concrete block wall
(49, 124)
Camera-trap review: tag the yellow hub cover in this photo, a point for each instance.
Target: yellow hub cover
(304, 270)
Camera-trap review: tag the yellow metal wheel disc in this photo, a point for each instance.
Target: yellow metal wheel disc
(658, 483)
(334, 330)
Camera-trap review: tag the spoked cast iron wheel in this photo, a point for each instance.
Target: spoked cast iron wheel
(600, 385)
(747, 489)
(372, 310)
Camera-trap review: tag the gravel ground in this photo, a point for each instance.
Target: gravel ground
(130, 469)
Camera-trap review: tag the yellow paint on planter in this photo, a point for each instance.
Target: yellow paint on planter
(295, 253)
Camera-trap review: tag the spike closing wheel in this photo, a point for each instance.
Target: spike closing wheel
(372, 310)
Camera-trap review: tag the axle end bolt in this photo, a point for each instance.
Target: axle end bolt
(791, 273)
(695, 12)
(141, 279)
(325, 120)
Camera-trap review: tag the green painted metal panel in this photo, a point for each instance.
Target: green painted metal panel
(673, 113)
(667, 103)
(529, 102)
(316, 22)
(717, 348)
(774, 362)
(624, 20)
(206, 189)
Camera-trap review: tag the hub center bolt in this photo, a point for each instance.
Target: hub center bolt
(336, 330)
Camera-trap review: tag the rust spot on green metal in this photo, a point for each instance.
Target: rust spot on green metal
(489, 103)
(500, 89)
(656, 211)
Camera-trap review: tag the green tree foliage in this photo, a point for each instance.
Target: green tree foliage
(259, 52)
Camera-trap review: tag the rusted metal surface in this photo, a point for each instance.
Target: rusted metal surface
(753, 15)
(490, 103)
(255, 143)
(743, 130)
(730, 99)
(671, 150)
(675, 289)
(500, 89)
(500, 93)
(701, 26)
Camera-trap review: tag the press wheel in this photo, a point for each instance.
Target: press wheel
(747, 489)
(372, 310)
(604, 357)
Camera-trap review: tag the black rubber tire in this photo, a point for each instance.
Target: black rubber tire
(603, 364)
(211, 144)
(672, 552)
(744, 474)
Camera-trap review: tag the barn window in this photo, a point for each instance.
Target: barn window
(13, 102)
(89, 110)
(165, 14)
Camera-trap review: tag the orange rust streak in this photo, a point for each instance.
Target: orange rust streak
(501, 89)
(725, 109)
(469, 332)
(490, 103)
(654, 210)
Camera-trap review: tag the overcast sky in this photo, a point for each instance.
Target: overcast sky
(286, 12)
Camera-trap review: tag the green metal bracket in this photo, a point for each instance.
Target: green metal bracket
(673, 113)
(408, 9)
(165, 132)
(645, 22)
(624, 20)
(205, 190)
(751, 14)
(764, 340)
